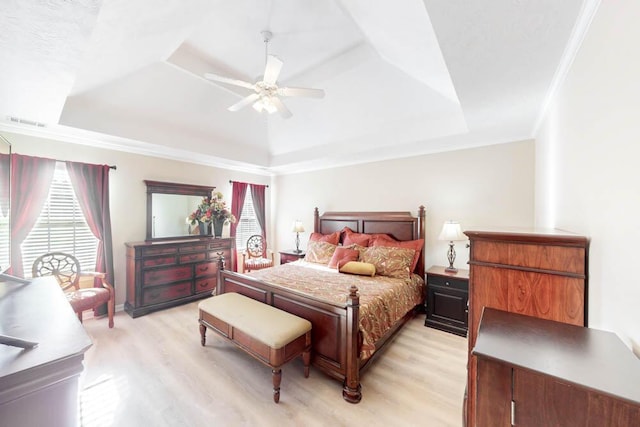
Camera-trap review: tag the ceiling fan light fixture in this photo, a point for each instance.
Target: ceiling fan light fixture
(266, 96)
(265, 104)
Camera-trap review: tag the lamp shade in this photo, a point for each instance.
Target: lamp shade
(297, 227)
(452, 231)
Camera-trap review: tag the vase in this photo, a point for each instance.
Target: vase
(217, 227)
(205, 228)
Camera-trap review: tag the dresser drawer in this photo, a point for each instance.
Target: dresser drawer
(564, 259)
(448, 282)
(206, 284)
(220, 244)
(158, 250)
(160, 276)
(159, 261)
(195, 257)
(206, 269)
(193, 247)
(166, 293)
(226, 253)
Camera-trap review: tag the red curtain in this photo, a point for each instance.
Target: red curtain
(257, 193)
(91, 185)
(30, 181)
(238, 193)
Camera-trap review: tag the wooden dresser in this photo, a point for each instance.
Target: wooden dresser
(531, 272)
(535, 372)
(165, 274)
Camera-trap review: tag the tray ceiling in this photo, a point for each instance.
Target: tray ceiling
(401, 78)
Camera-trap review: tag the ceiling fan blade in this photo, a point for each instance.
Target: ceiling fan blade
(301, 91)
(272, 70)
(244, 102)
(228, 80)
(282, 109)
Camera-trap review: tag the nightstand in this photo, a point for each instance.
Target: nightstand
(447, 300)
(290, 255)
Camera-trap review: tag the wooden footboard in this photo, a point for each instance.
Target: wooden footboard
(334, 335)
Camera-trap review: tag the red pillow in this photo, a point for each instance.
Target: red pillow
(333, 238)
(343, 255)
(356, 239)
(388, 242)
(350, 237)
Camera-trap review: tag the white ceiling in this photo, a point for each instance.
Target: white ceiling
(401, 78)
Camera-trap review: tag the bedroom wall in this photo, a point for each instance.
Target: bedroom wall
(128, 191)
(587, 154)
(488, 186)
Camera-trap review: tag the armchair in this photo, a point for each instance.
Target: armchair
(256, 256)
(66, 269)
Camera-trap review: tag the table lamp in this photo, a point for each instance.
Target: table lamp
(452, 232)
(297, 228)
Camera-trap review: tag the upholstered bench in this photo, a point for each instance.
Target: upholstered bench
(272, 336)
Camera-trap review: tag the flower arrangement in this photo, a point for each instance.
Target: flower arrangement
(211, 209)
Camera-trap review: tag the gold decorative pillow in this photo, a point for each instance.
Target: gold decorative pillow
(360, 268)
(392, 262)
(319, 252)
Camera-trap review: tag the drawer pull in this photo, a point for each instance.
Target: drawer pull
(204, 284)
(446, 283)
(203, 268)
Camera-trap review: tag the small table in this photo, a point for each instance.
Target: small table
(447, 300)
(290, 255)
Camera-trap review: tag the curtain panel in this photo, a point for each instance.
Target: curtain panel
(30, 181)
(91, 185)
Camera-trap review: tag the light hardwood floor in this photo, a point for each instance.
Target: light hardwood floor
(152, 371)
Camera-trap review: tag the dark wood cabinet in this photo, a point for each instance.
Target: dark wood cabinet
(290, 256)
(536, 372)
(165, 274)
(446, 302)
(39, 386)
(539, 273)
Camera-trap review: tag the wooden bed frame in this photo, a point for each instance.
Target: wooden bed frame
(336, 339)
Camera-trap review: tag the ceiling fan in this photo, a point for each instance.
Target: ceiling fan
(267, 93)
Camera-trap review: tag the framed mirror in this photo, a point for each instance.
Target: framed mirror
(168, 206)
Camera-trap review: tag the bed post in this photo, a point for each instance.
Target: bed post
(316, 220)
(220, 270)
(352, 390)
(421, 235)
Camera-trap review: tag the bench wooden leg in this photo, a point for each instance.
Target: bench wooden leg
(277, 377)
(306, 358)
(203, 332)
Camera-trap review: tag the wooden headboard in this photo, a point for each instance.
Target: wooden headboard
(399, 225)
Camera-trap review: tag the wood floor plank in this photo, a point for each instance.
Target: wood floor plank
(152, 371)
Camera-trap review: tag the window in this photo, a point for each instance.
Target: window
(61, 227)
(248, 223)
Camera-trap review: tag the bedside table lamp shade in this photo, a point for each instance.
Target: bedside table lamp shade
(452, 232)
(297, 228)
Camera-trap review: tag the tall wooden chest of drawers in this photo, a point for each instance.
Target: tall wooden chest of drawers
(539, 273)
(165, 274)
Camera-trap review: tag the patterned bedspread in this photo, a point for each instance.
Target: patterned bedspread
(383, 300)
